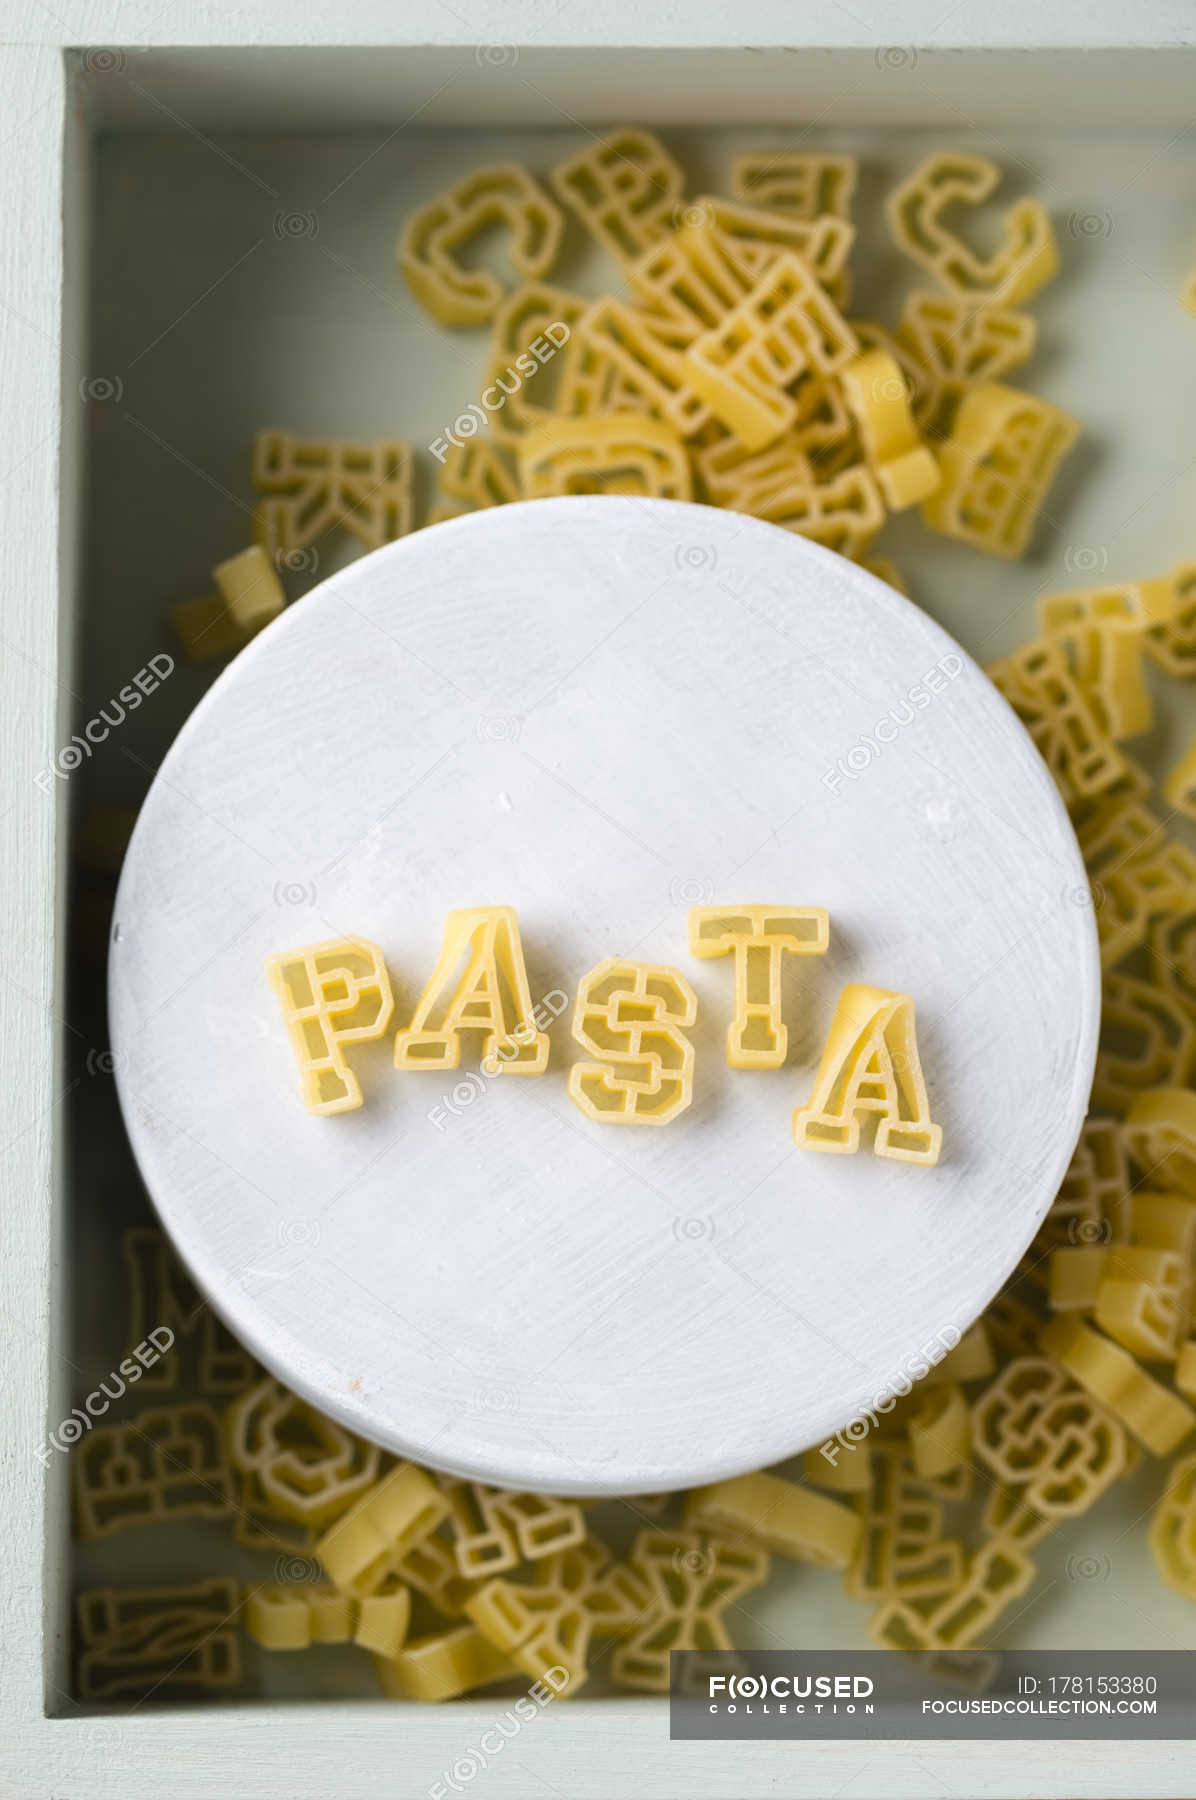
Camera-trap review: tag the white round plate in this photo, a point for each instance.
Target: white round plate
(600, 711)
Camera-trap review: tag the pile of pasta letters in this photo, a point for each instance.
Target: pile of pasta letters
(727, 367)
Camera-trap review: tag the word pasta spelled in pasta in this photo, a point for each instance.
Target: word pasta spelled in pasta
(632, 1018)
